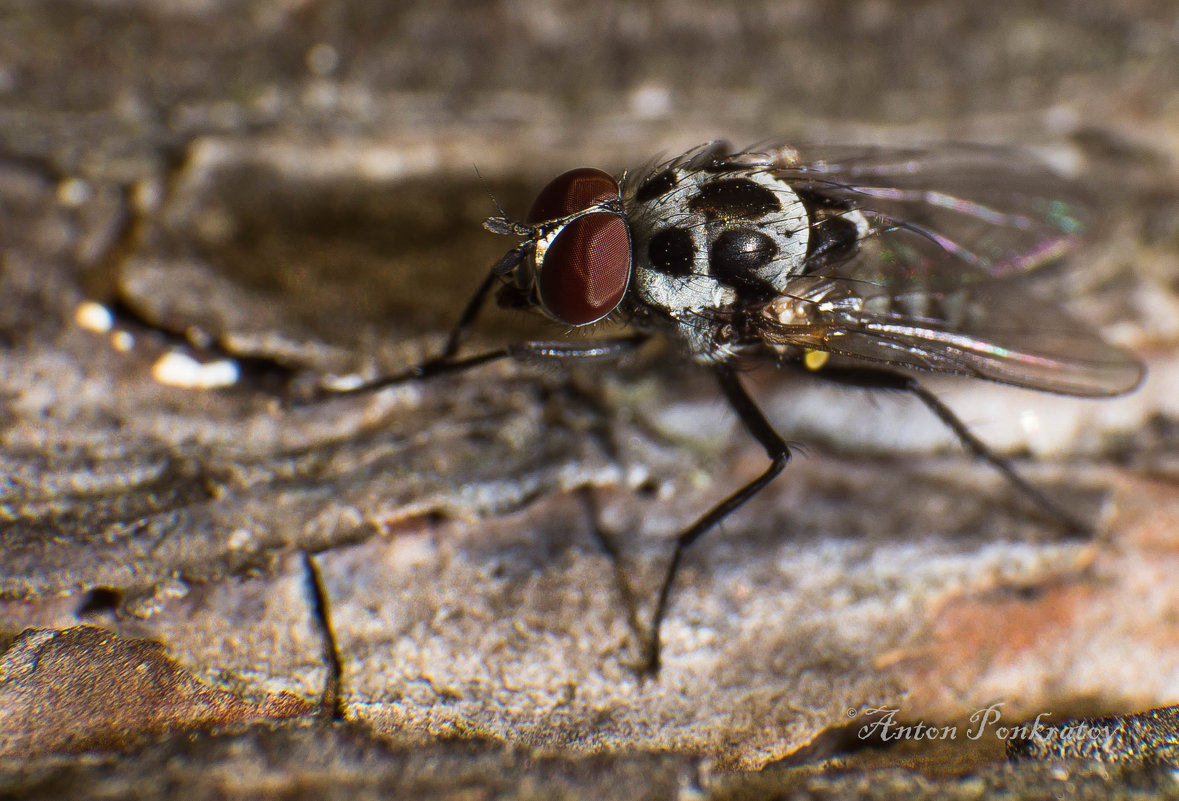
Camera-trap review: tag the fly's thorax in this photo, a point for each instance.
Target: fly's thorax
(714, 240)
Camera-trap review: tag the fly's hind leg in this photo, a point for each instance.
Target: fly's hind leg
(875, 378)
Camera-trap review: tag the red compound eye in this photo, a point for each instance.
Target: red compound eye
(572, 192)
(586, 269)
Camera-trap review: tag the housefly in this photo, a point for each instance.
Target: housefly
(862, 265)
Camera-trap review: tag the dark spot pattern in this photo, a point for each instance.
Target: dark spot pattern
(817, 202)
(671, 251)
(737, 254)
(734, 199)
(833, 239)
(656, 186)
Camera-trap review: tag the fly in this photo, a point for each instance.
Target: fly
(889, 260)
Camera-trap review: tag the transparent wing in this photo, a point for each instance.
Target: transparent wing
(990, 330)
(938, 279)
(994, 210)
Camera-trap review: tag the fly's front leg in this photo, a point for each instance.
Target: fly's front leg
(602, 350)
(475, 305)
(460, 330)
(779, 453)
(873, 378)
(443, 362)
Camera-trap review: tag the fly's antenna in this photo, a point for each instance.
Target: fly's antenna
(503, 215)
(502, 223)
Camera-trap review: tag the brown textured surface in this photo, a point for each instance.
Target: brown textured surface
(84, 688)
(290, 185)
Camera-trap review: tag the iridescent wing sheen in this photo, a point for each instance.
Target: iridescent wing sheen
(993, 210)
(939, 280)
(991, 330)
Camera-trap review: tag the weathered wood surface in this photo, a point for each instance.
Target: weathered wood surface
(289, 187)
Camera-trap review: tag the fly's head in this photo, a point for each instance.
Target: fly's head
(575, 262)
